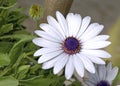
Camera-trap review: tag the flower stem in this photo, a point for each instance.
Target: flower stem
(37, 24)
(32, 60)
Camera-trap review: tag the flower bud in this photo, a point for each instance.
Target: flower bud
(35, 11)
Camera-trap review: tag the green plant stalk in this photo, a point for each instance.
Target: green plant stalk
(32, 60)
(37, 21)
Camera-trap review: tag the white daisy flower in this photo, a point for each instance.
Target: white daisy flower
(71, 42)
(103, 76)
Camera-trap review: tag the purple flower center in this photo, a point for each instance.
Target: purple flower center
(71, 45)
(103, 83)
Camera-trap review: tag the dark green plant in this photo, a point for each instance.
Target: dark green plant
(18, 67)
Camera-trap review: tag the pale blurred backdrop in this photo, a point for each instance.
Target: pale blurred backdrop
(105, 12)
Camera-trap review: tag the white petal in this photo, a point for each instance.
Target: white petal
(45, 51)
(99, 38)
(49, 56)
(62, 22)
(78, 64)
(74, 22)
(69, 69)
(60, 64)
(91, 32)
(93, 77)
(90, 83)
(87, 63)
(112, 74)
(90, 27)
(95, 45)
(95, 59)
(51, 63)
(47, 36)
(45, 43)
(84, 25)
(55, 24)
(51, 31)
(102, 72)
(97, 53)
(109, 67)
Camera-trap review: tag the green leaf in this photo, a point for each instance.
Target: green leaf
(22, 71)
(18, 36)
(4, 60)
(5, 46)
(17, 49)
(8, 81)
(6, 4)
(22, 32)
(34, 68)
(57, 80)
(36, 81)
(6, 28)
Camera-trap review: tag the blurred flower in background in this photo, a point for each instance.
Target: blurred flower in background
(103, 76)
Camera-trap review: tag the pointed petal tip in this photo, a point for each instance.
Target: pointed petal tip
(35, 54)
(109, 56)
(116, 68)
(58, 12)
(34, 40)
(109, 43)
(39, 61)
(82, 75)
(102, 26)
(103, 63)
(92, 71)
(44, 67)
(88, 17)
(49, 17)
(54, 71)
(67, 77)
(108, 36)
(36, 31)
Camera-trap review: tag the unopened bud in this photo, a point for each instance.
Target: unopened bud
(35, 11)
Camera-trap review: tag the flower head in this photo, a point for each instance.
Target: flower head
(35, 11)
(71, 42)
(103, 76)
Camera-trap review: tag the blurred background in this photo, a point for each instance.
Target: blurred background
(105, 12)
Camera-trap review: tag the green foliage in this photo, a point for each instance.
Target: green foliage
(37, 81)
(5, 4)
(4, 59)
(8, 81)
(6, 28)
(18, 67)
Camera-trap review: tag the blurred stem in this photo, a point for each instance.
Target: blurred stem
(32, 60)
(37, 21)
(5, 71)
(51, 6)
